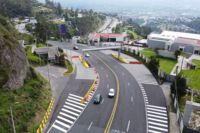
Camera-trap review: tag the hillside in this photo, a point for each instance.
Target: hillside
(13, 63)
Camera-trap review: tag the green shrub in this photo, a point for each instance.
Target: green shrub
(26, 101)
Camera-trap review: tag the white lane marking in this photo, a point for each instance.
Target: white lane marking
(157, 110)
(63, 124)
(156, 113)
(59, 128)
(157, 120)
(70, 108)
(131, 98)
(75, 99)
(71, 117)
(106, 75)
(107, 85)
(127, 129)
(75, 96)
(70, 112)
(90, 125)
(64, 119)
(78, 103)
(156, 107)
(152, 131)
(79, 107)
(157, 128)
(155, 116)
(128, 84)
(102, 101)
(158, 124)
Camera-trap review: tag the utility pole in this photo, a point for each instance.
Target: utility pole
(176, 83)
(13, 123)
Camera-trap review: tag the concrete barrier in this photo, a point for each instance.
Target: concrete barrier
(47, 114)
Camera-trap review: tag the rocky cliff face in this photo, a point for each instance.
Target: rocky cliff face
(13, 62)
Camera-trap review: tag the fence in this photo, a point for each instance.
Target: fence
(179, 117)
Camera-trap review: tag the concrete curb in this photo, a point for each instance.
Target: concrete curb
(45, 119)
(85, 64)
(92, 90)
(120, 59)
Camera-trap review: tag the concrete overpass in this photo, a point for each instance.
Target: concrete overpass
(103, 48)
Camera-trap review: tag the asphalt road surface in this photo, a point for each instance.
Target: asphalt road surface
(130, 114)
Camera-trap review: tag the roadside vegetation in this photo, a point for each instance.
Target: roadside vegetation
(165, 64)
(193, 76)
(32, 58)
(28, 103)
(70, 68)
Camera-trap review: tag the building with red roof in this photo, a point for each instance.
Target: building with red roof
(97, 38)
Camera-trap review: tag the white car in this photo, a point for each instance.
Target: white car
(87, 55)
(111, 92)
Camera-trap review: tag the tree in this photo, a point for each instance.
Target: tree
(177, 53)
(59, 9)
(60, 60)
(41, 30)
(153, 65)
(13, 8)
(181, 84)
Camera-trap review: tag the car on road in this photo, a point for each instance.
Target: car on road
(75, 48)
(97, 99)
(87, 55)
(111, 92)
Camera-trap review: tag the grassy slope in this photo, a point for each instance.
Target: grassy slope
(29, 104)
(166, 64)
(193, 75)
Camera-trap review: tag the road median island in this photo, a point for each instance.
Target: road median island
(120, 59)
(84, 62)
(70, 68)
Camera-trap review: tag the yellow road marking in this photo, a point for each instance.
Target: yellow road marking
(109, 123)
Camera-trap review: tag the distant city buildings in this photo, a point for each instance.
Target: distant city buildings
(172, 41)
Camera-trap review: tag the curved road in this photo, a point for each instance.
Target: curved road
(130, 114)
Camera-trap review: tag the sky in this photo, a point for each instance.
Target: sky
(187, 4)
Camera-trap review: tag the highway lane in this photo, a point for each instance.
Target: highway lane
(95, 117)
(130, 115)
(74, 86)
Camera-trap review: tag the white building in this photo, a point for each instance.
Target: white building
(172, 41)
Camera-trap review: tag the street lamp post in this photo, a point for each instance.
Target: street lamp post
(13, 123)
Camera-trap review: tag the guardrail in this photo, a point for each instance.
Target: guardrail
(47, 114)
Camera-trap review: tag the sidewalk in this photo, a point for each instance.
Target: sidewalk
(174, 127)
(81, 71)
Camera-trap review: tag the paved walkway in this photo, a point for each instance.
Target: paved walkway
(57, 80)
(81, 71)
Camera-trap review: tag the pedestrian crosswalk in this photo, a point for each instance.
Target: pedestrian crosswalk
(68, 114)
(157, 119)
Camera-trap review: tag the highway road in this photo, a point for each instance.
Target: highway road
(130, 113)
